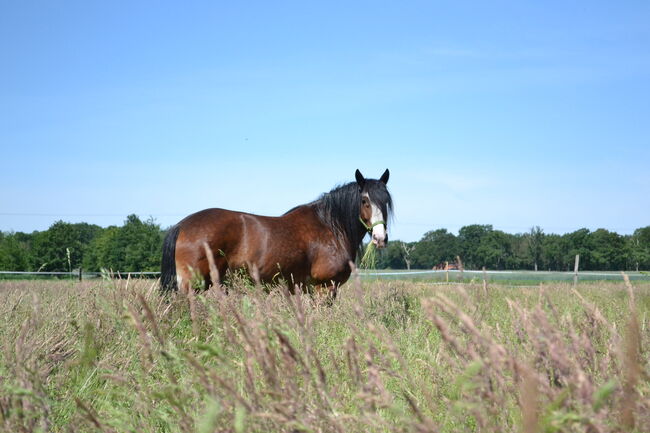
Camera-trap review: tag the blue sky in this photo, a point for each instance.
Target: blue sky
(506, 113)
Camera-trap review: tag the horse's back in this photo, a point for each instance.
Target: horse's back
(203, 225)
(220, 229)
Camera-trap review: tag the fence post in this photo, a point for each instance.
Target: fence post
(575, 270)
(79, 273)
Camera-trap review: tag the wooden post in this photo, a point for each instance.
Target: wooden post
(575, 270)
(79, 274)
(447, 272)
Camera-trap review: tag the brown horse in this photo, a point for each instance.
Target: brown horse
(309, 246)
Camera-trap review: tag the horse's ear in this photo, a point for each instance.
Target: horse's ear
(361, 181)
(384, 177)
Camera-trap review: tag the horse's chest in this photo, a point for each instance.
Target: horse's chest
(330, 265)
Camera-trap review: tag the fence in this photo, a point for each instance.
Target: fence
(78, 274)
(506, 276)
(420, 275)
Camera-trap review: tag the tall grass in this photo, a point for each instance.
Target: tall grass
(114, 356)
(369, 257)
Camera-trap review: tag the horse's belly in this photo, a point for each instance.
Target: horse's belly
(284, 263)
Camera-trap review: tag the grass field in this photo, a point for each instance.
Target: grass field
(387, 355)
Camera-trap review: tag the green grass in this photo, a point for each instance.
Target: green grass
(386, 356)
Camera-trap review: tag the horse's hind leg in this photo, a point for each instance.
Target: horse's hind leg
(184, 283)
(189, 277)
(217, 272)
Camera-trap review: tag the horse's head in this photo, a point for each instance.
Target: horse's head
(375, 206)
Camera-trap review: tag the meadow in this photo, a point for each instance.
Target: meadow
(385, 356)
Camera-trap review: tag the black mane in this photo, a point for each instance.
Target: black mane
(339, 209)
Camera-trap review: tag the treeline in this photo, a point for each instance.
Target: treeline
(136, 246)
(481, 245)
(133, 247)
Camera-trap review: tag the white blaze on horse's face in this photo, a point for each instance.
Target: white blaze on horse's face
(378, 234)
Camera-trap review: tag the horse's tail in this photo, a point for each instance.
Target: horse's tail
(168, 264)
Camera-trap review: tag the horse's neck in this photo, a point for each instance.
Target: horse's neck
(348, 241)
(308, 214)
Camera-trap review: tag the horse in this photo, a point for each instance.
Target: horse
(310, 246)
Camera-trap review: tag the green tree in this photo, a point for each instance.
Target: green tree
(639, 247)
(494, 250)
(391, 257)
(470, 238)
(102, 251)
(51, 248)
(535, 245)
(555, 250)
(14, 253)
(62, 247)
(141, 243)
(134, 247)
(609, 251)
(435, 247)
(579, 242)
(519, 257)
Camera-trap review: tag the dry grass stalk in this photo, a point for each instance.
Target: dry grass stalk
(148, 313)
(631, 363)
(529, 401)
(145, 339)
(91, 415)
(191, 302)
(564, 368)
(631, 374)
(282, 362)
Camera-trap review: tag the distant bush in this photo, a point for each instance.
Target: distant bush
(135, 246)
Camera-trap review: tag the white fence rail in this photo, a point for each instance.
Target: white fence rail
(505, 276)
(518, 273)
(79, 274)
(415, 274)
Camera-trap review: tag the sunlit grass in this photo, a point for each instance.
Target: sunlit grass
(385, 356)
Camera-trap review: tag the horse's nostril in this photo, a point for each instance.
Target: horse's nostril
(379, 241)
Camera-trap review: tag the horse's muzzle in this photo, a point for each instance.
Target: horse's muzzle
(379, 241)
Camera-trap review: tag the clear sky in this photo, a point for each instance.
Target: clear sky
(506, 113)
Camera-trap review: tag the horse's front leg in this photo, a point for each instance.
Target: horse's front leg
(326, 291)
(329, 273)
